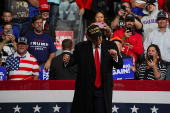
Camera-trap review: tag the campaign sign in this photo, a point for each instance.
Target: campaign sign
(125, 49)
(43, 75)
(61, 35)
(125, 72)
(2, 73)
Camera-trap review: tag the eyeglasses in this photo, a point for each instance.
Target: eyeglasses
(38, 22)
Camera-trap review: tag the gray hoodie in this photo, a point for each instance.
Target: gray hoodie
(149, 21)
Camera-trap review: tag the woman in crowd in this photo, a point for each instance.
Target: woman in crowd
(100, 21)
(153, 68)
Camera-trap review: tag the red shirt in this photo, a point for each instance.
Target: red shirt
(161, 4)
(85, 4)
(135, 40)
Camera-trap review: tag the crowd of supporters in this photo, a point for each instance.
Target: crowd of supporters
(140, 26)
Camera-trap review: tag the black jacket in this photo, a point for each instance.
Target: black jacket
(58, 72)
(86, 74)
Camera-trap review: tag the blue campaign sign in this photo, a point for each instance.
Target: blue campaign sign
(2, 73)
(125, 72)
(43, 75)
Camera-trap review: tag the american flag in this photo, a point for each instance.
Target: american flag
(21, 68)
(56, 96)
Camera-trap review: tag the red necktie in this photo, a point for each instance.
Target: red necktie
(97, 64)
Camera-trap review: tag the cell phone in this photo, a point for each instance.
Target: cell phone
(130, 29)
(10, 31)
(123, 7)
(101, 25)
(150, 57)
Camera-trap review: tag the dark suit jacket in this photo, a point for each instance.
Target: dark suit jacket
(84, 85)
(124, 56)
(58, 72)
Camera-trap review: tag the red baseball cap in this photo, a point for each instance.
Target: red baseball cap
(44, 7)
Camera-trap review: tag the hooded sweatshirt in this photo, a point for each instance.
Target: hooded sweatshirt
(150, 20)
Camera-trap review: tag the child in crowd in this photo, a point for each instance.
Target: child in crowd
(6, 17)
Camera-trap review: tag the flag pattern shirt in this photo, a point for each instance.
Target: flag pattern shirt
(21, 68)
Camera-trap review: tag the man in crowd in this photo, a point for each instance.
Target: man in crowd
(21, 65)
(6, 17)
(57, 71)
(48, 27)
(149, 21)
(8, 41)
(95, 60)
(161, 37)
(41, 45)
(118, 22)
(132, 41)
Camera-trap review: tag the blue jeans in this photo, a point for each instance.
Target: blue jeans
(21, 27)
(54, 13)
(168, 73)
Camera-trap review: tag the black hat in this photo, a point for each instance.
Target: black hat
(22, 40)
(162, 14)
(150, 1)
(129, 17)
(94, 31)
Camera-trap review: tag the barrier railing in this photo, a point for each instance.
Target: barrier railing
(123, 85)
(53, 96)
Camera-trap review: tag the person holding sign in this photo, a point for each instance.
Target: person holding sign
(128, 63)
(154, 68)
(95, 59)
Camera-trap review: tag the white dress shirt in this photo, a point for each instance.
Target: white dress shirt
(99, 50)
(162, 40)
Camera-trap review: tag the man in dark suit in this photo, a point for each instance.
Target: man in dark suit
(57, 71)
(95, 59)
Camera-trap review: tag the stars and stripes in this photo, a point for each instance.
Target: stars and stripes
(64, 107)
(140, 108)
(21, 68)
(57, 96)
